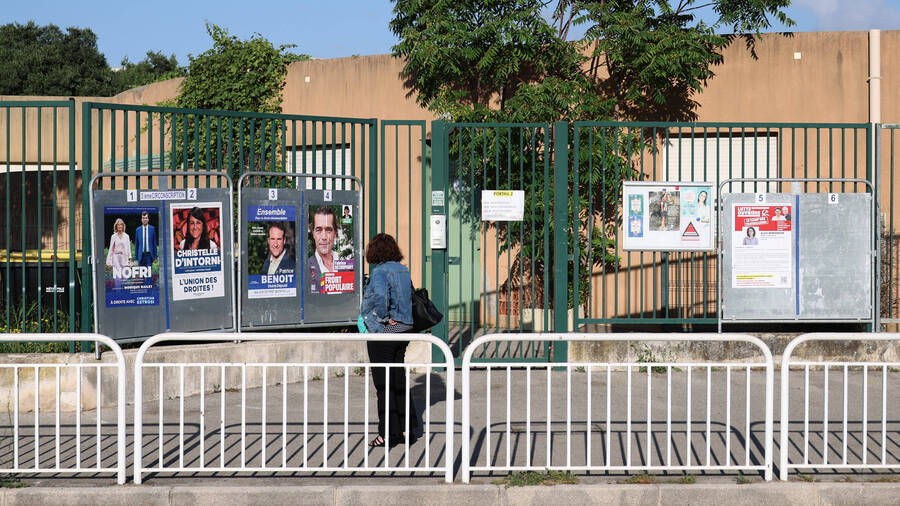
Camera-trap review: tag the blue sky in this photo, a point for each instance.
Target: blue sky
(322, 29)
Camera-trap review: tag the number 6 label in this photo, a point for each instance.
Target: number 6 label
(832, 198)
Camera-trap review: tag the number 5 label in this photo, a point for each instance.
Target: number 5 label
(760, 198)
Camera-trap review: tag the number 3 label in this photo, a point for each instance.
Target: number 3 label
(273, 193)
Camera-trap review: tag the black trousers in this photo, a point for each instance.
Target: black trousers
(392, 352)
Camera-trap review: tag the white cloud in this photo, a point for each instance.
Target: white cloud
(853, 14)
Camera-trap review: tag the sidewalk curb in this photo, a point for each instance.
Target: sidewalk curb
(460, 495)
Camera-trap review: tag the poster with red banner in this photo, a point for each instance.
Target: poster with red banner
(761, 246)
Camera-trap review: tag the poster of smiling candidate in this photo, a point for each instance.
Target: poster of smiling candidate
(197, 270)
(271, 257)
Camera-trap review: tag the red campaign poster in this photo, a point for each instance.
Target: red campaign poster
(761, 246)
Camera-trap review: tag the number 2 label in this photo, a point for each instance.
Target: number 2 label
(192, 194)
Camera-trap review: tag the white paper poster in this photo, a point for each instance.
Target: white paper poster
(761, 246)
(502, 205)
(667, 216)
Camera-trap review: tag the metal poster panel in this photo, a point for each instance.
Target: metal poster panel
(801, 257)
(332, 270)
(659, 216)
(271, 235)
(199, 254)
(129, 280)
(761, 245)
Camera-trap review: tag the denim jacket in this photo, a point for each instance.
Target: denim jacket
(388, 295)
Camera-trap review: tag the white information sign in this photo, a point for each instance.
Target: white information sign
(761, 246)
(502, 205)
(659, 216)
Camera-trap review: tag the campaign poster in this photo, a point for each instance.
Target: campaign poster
(761, 246)
(196, 254)
(661, 216)
(330, 239)
(131, 268)
(271, 265)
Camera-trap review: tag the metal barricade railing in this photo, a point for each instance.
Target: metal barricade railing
(72, 434)
(860, 437)
(687, 424)
(285, 433)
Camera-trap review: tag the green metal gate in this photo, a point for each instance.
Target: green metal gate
(39, 246)
(493, 276)
(632, 290)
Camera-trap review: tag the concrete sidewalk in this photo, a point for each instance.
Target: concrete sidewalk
(417, 495)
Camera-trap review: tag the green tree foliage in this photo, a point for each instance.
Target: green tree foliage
(510, 61)
(234, 75)
(43, 60)
(153, 68)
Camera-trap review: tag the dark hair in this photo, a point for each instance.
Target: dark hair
(279, 225)
(751, 229)
(327, 210)
(383, 248)
(145, 213)
(204, 236)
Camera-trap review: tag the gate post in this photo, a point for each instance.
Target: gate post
(87, 302)
(438, 256)
(561, 237)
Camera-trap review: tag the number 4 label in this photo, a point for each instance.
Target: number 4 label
(832, 198)
(327, 195)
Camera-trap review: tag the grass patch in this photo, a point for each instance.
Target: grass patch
(640, 479)
(532, 478)
(742, 480)
(688, 479)
(806, 477)
(12, 482)
(885, 479)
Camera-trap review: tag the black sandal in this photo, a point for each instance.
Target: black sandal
(377, 442)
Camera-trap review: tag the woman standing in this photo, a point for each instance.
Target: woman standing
(119, 254)
(387, 309)
(197, 236)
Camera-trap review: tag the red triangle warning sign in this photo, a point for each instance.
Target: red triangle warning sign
(690, 231)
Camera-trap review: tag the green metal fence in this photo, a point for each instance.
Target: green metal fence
(655, 288)
(133, 141)
(39, 247)
(493, 276)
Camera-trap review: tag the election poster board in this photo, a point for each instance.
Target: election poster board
(332, 268)
(662, 216)
(162, 261)
(271, 257)
(761, 245)
(197, 264)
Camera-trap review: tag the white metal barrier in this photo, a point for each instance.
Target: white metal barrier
(860, 437)
(72, 435)
(271, 434)
(687, 424)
